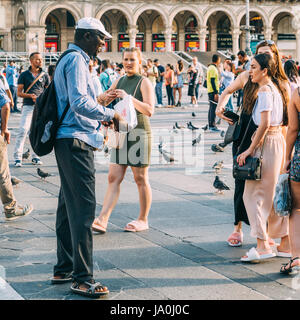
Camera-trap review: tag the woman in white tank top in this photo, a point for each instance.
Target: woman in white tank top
(268, 114)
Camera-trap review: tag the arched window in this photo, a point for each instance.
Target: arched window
(191, 25)
(123, 24)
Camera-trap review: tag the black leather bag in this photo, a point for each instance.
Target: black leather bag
(251, 170)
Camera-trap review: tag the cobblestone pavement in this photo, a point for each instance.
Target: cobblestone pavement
(184, 255)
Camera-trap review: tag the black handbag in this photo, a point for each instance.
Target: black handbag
(251, 170)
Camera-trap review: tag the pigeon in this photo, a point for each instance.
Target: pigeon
(177, 126)
(193, 114)
(222, 133)
(205, 127)
(191, 126)
(42, 173)
(14, 181)
(197, 140)
(168, 156)
(218, 166)
(160, 147)
(26, 155)
(220, 185)
(106, 151)
(216, 148)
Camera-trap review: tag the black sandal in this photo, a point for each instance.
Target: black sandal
(290, 269)
(91, 290)
(64, 278)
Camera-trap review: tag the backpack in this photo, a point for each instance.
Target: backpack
(159, 76)
(45, 121)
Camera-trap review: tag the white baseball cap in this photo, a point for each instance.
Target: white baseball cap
(93, 24)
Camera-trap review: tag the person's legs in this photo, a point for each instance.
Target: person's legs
(13, 90)
(115, 177)
(294, 222)
(24, 127)
(141, 178)
(158, 92)
(211, 111)
(197, 91)
(75, 161)
(64, 239)
(6, 189)
(174, 94)
(169, 91)
(180, 95)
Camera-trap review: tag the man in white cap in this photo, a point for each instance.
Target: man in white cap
(77, 138)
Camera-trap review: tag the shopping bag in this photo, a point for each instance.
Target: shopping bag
(283, 198)
(126, 109)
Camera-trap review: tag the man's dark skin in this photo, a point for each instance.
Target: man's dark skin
(91, 43)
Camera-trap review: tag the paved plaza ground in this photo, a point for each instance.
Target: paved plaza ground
(184, 254)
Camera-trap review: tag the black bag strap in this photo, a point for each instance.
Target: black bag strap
(262, 149)
(68, 105)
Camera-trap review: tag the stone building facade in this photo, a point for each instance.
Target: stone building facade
(181, 25)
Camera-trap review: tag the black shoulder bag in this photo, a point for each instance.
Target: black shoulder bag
(251, 170)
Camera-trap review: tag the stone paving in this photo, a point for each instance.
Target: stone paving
(184, 254)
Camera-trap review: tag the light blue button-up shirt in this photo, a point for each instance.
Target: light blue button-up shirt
(73, 83)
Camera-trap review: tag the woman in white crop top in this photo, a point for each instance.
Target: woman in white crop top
(268, 114)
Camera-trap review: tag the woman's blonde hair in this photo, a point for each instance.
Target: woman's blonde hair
(139, 54)
(250, 89)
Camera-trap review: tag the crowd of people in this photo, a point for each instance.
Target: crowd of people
(269, 109)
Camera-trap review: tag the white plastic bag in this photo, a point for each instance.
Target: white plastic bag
(283, 199)
(126, 109)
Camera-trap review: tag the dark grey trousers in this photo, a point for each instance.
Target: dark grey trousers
(76, 209)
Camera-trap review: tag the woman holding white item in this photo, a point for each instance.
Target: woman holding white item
(137, 148)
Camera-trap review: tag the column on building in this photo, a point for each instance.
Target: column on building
(168, 39)
(202, 38)
(132, 32)
(35, 38)
(148, 40)
(298, 44)
(181, 38)
(115, 38)
(268, 32)
(235, 40)
(213, 39)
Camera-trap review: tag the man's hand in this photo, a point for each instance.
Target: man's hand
(216, 97)
(6, 135)
(119, 123)
(33, 97)
(11, 104)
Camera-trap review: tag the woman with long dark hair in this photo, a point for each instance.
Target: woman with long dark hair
(292, 166)
(278, 227)
(291, 71)
(268, 113)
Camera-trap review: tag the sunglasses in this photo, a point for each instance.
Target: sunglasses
(268, 42)
(118, 70)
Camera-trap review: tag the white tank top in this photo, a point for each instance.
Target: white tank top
(269, 101)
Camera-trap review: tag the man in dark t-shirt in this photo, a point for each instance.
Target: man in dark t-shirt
(29, 91)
